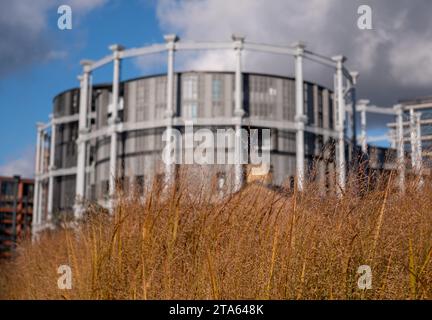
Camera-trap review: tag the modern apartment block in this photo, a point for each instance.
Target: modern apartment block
(16, 212)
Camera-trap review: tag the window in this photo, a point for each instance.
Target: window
(309, 101)
(190, 87)
(193, 110)
(161, 90)
(92, 154)
(160, 98)
(94, 96)
(272, 92)
(28, 190)
(75, 96)
(330, 113)
(216, 90)
(8, 188)
(142, 101)
(190, 110)
(320, 109)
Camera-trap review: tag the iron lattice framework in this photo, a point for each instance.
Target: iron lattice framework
(343, 97)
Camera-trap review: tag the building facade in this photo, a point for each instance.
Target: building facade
(16, 211)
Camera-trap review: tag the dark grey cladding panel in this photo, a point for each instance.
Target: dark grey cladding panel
(64, 195)
(66, 103)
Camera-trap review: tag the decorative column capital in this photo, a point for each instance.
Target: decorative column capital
(398, 108)
(170, 40)
(84, 131)
(239, 113)
(299, 47)
(301, 118)
(116, 48)
(169, 114)
(340, 59)
(86, 65)
(363, 102)
(39, 126)
(354, 75)
(238, 41)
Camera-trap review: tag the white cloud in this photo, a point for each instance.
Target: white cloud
(84, 5)
(22, 165)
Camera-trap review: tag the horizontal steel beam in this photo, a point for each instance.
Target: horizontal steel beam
(418, 106)
(423, 138)
(65, 119)
(204, 45)
(45, 126)
(375, 109)
(319, 59)
(57, 173)
(383, 137)
(220, 121)
(99, 63)
(269, 48)
(134, 52)
(407, 123)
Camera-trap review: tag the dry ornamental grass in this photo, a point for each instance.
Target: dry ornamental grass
(256, 244)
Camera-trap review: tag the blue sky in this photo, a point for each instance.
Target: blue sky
(37, 60)
(26, 93)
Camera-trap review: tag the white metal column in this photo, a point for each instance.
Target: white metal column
(300, 117)
(340, 156)
(413, 138)
(419, 163)
(81, 143)
(41, 180)
(400, 143)
(51, 169)
(238, 113)
(113, 122)
(170, 40)
(392, 136)
(354, 77)
(363, 131)
(36, 200)
(419, 141)
(363, 125)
